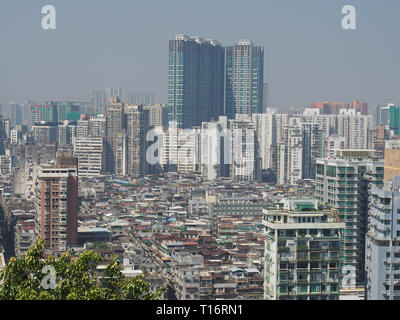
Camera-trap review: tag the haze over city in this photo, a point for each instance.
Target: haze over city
(98, 44)
(222, 153)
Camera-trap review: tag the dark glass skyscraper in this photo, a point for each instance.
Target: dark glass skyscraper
(244, 72)
(195, 80)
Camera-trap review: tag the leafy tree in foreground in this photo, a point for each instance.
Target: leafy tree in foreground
(75, 279)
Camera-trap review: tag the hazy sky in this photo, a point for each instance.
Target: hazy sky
(124, 43)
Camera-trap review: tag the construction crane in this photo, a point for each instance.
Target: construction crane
(83, 99)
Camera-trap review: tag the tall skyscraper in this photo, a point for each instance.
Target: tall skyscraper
(195, 80)
(244, 78)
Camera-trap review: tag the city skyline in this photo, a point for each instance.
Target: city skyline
(310, 59)
(206, 151)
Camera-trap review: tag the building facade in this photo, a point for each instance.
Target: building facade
(343, 183)
(302, 251)
(57, 206)
(383, 243)
(244, 78)
(195, 80)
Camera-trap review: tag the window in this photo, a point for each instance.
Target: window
(320, 169)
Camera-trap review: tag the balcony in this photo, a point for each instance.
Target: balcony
(302, 280)
(305, 248)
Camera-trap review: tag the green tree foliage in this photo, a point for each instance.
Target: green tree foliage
(76, 279)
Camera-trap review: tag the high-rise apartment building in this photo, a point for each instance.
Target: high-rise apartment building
(91, 156)
(137, 119)
(4, 134)
(99, 101)
(313, 148)
(302, 251)
(98, 126)
(111, 92)
(15, 114)
(158, 115)
(244, 157)
(46, 111)
(120, 155)
(147, 99)
(333, 143)
(265, 97)
(45, 132)
(382, 115)
(343, 183)
(290, 155)
(57, 204)
(115, 127)
(82, 128)
(179, 149)
(195, 80)
(265, 126)
(383, 243)
(65, 110)
(394, 119)
(215, 150)
(355, 128)
(244, 78)
(66, 132)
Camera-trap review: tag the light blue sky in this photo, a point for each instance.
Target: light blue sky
(308, 56)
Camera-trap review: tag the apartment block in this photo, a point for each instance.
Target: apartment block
(343, 183)
(91, 156)
(57, 206)
(383, 242)
(302, 251)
